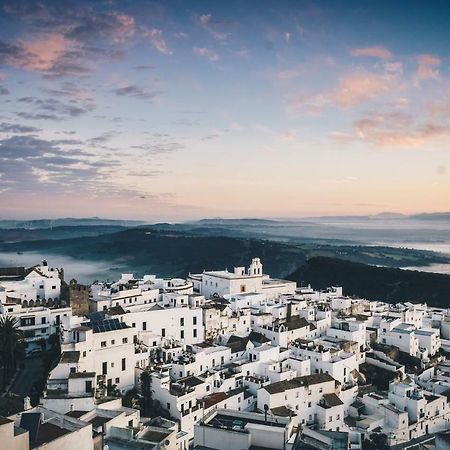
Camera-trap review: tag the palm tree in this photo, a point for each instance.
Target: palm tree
(11, 345)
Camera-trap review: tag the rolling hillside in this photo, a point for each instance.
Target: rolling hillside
(375, 283)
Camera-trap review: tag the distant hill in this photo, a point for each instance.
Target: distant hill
(375, 283)
(60, 232)
(442, 216)
(171, 251)
(68, 221)
(166, 253)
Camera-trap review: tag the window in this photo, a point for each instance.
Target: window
(309, 404)
(163, 332)
(43, 320)
(123, 364)
(103, 344)
(113, 341)
(117, 380)
(330, 419)
(181, 334)
(133, 325)
(104, 368)
(124, 340)
(72, 370)
(144, 326)
(27, 321)
(182, 322)
(194, 332)
(194, 320)
(88, 387)
(53, 287)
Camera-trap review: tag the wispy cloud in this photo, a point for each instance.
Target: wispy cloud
(394, 130)
(155, 36)
(65, 41)
(54, 109)
(206, 53)
(133, 90)
(6, 127)
(360, 87)
(374, 52)
(428, 67)
(219, 29)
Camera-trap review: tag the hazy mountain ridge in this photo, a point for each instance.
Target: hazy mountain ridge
(175, 253)
(60, 232)
(67, 221)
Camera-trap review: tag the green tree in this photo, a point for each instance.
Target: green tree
(11, 345)
(146, 388)
(53, 340)
(43, 343)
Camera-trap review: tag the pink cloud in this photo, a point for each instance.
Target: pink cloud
(125, 27)
(393, 130)
(374, 52)
(428, 67)
(156, 39)
(42, 54)
(360, 87)
(206, 53)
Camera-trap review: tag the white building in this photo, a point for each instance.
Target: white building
(38, 324)
(40, 285)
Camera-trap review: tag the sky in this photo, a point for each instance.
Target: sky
(177, 110)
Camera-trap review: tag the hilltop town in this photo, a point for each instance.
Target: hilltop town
(223, 359)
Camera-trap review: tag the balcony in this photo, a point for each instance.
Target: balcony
(35, 326)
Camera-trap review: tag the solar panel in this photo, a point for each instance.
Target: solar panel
(107, 325)
(96, 316)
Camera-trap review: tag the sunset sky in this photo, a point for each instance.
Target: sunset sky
(175, 110)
